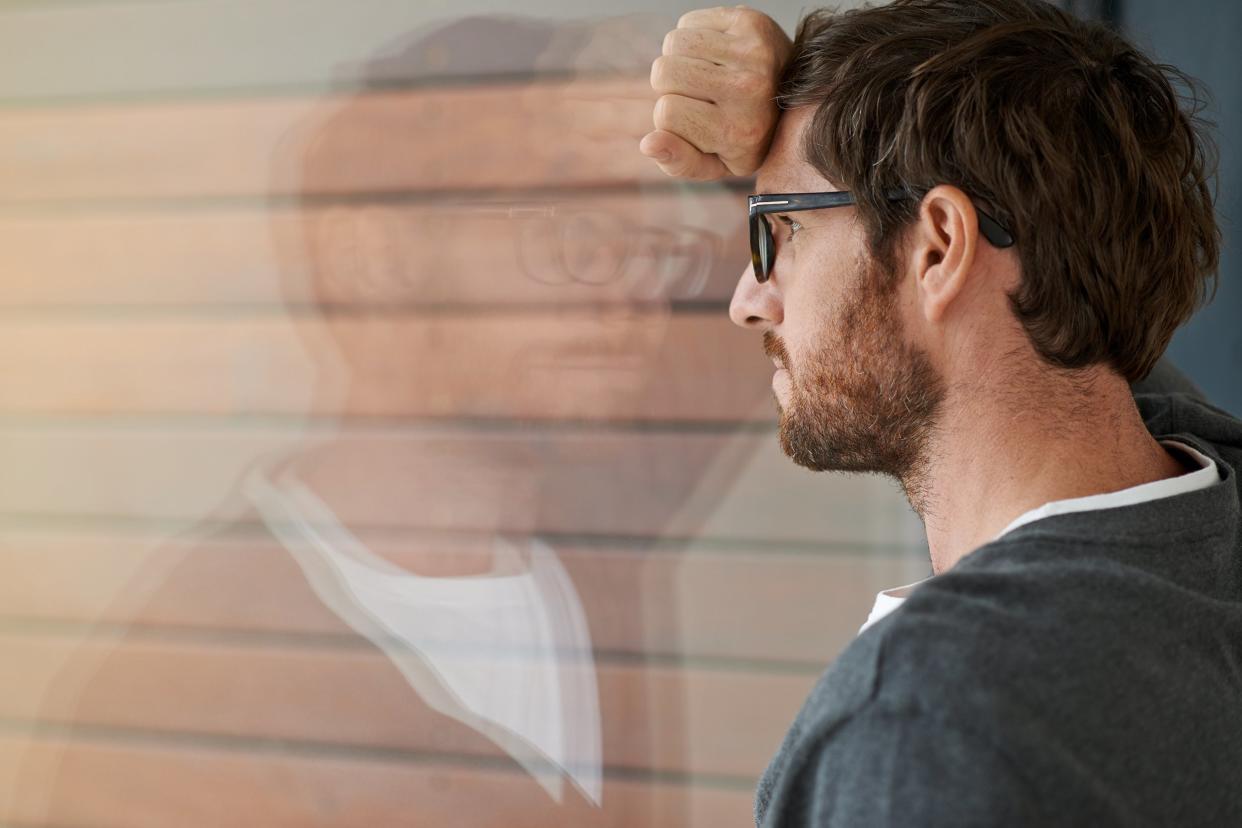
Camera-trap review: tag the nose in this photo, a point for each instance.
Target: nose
(755, 305)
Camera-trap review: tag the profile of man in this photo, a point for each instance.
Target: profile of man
(1029, 218)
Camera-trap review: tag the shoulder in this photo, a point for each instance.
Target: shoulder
(964, 624)
(936, 710)
(889, 765)
(1013, 618)
(1029, 647)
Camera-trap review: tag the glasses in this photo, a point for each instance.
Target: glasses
(560, 245)
(763, 248)
(394, 252)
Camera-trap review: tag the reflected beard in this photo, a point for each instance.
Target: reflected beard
(864, 400)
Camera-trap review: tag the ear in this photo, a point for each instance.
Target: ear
(945, 237)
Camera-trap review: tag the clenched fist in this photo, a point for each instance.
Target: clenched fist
(717, 78)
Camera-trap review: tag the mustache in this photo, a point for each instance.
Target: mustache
(775, 349)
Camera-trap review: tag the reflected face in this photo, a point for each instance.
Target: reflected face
(854, 393)
(510, 307)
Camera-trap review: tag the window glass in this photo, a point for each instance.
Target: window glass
(376, 446)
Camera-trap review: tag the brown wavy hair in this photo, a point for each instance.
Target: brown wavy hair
(1090, 153)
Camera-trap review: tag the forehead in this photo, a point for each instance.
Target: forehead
(785, 169)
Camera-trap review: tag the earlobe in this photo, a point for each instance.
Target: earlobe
(946, 237)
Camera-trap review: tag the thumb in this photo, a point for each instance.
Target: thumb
(679, 158)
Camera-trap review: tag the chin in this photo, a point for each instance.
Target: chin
(830, 441)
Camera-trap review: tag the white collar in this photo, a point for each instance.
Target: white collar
(507, 653)
(1205, 476)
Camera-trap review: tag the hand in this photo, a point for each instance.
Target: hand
(717, 79)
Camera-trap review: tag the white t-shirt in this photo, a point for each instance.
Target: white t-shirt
(1207, 474)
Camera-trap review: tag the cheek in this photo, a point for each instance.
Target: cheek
(811, 315)
(823, 325)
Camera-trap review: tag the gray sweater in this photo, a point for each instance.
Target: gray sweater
(1085, 669)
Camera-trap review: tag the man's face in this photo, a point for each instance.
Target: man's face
(854, 393)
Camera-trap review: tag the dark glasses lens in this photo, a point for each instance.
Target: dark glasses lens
(761, 246)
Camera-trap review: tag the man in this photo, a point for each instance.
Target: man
(1028, 221)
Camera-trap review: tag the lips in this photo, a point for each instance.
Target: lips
(775, 350)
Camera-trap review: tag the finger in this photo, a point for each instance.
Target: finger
(680, 159)
(694, 78)
(720, 18)
(705, 44)
(698, 122)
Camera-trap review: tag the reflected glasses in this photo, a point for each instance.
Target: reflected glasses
(763, 248)
(563, 244)
(392, 252)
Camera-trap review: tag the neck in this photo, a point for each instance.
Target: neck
(999, 453)
(435, 480)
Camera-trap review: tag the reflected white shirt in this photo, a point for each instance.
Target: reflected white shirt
(1205, 476)
(506, 653)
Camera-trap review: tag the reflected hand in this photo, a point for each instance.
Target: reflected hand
(717, 80)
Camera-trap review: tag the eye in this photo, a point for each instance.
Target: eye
(793, 226)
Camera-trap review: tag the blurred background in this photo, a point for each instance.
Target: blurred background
(374, 445)
(1199, 41)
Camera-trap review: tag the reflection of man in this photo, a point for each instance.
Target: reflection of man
(437, 539)
(1027, 221)
(570, 281)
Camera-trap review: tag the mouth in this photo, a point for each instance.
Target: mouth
(774, 349)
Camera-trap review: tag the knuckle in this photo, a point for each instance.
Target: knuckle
(659, 70)
(671, 41)
(690, 18)
(759, 39)
(748, 19)
(663, 114)
(683, 42)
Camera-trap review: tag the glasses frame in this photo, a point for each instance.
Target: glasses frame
(699, 248)
(763, 245)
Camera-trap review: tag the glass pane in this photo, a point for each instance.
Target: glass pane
(377, 449)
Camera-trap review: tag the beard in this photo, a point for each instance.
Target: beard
(863, 400)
